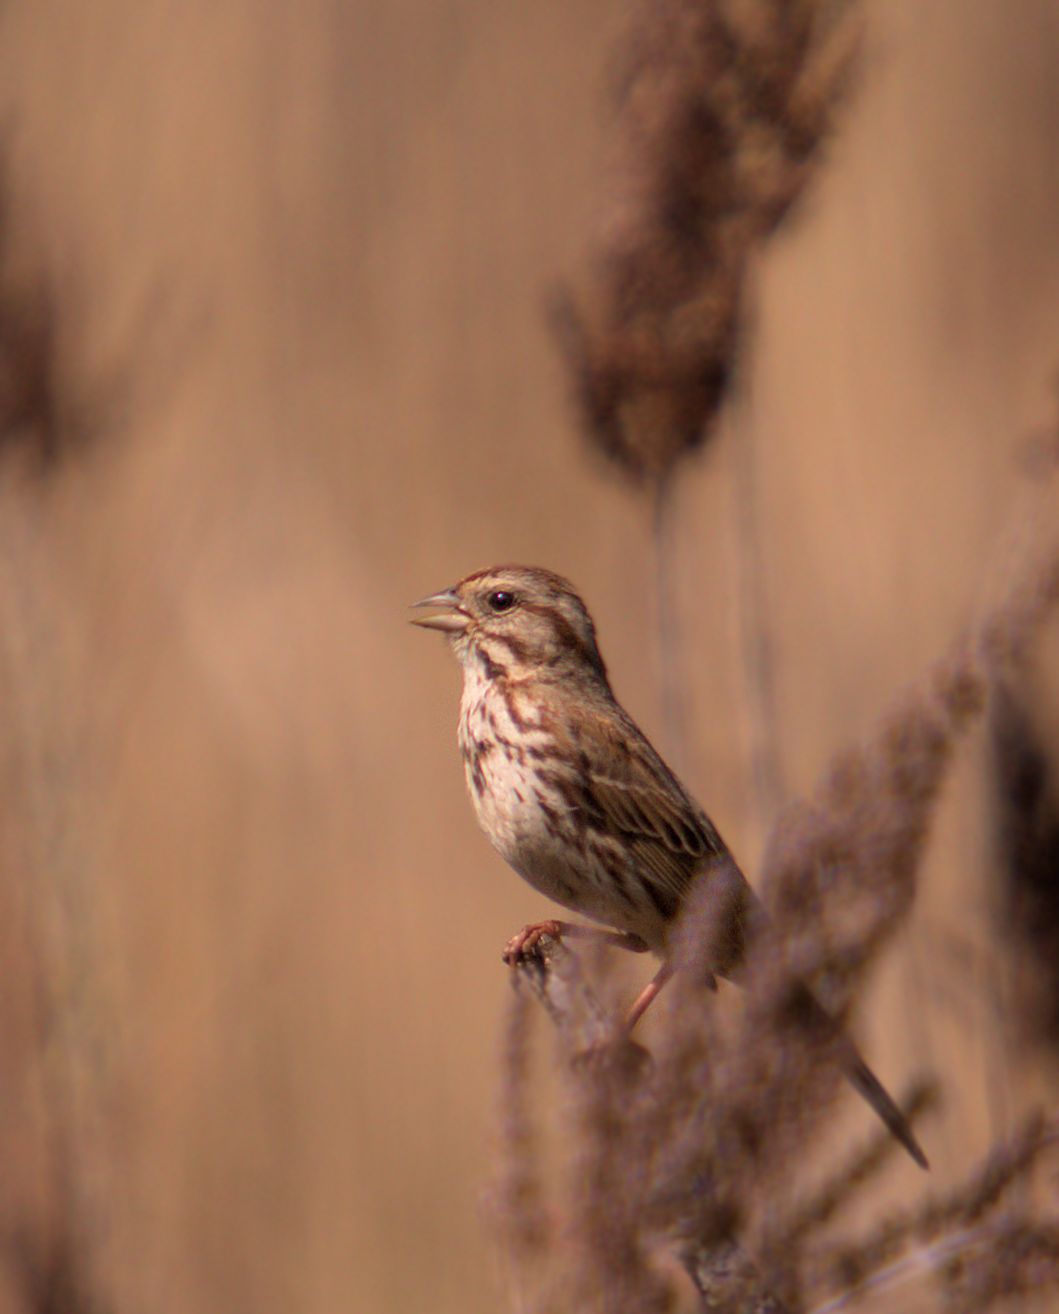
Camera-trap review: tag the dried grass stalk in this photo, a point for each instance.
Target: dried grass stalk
(723, 108)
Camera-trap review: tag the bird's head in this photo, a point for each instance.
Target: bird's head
(517, 621)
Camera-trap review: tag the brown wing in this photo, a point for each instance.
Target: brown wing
(670, 844)
(633, 795)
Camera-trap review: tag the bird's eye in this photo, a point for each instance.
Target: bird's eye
(501, 600)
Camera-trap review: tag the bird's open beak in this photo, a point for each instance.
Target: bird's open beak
(451, 618)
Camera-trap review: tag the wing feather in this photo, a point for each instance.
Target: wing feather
(637, 798)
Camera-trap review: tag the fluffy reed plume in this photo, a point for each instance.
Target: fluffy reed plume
(696, 1153)
(723, 108)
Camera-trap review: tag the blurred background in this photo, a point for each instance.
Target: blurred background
(297, 261)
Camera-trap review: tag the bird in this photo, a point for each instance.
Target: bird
(574, 797)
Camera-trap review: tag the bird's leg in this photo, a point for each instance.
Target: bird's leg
(525, 941)
(647, 995)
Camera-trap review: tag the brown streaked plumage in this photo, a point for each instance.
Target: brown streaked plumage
(572, 794)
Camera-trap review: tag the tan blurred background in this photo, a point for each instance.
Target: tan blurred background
(309, 250)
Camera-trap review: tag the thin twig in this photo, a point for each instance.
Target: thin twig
(671, 672)
(755, 641)
(924, 1261)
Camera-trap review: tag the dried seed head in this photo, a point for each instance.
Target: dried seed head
(722, 112)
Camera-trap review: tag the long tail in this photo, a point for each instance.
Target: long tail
(864, 1081)
(750, 917)
(867, 1084)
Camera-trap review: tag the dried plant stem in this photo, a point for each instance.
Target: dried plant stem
(755, 643)
(922, 1262)
(669, 645)
(723, 1273)
(42, 732)
(518, 1196)
(552, 974)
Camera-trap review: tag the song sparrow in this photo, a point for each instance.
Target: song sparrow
(572, 794)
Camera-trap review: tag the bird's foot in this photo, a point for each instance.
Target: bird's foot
(520, 946)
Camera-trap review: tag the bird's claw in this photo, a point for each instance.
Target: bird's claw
(523, 944)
